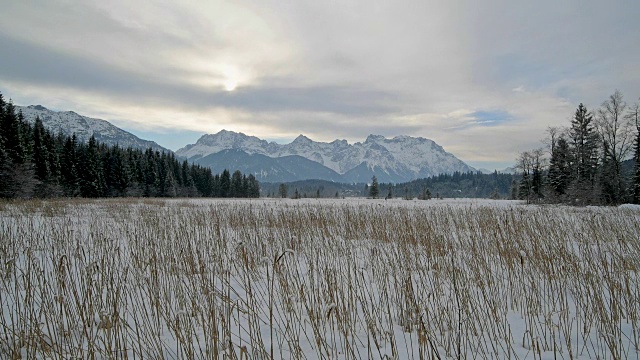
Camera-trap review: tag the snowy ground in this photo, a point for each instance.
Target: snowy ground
(281, 278)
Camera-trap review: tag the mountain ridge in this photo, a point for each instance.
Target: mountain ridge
(399, 159)
(70, 122)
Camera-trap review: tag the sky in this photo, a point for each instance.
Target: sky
(484, 79)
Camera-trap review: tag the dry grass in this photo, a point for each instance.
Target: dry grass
(285, 279)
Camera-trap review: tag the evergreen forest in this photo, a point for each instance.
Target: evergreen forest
(457, 185)
(36, 163)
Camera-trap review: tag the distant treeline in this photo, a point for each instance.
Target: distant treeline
(34, 162)
(458, 184)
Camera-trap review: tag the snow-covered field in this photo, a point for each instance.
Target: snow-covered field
(317, 279)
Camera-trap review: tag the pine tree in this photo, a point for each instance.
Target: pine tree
(536, 182)
(40, 155)
(636, 172)
(91, 182)
(215, 186)
(69, 173)
(425, 194)
(150, 173)
(513, 190)
(54, 145)
(559, 168)
(282, 190)
(245, 186)
(205, 182)
(7, 183)
(189, 188)
(12, 131)
(166, 183)
(225, 183)
(116, 171)
(495, 195)
(407, 194)
(254, 187)
(635, 187)
(524, 188)
(607, 176)
(2, 106)
(174, 165)
(235, 187)
(584, 154)
(374, 190)
(134, 163)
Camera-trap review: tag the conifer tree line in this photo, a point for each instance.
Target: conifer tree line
(595, 160)
(455, 185)
(34, 162)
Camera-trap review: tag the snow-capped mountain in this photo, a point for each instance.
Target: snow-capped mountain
(69, 122)
(400, 159)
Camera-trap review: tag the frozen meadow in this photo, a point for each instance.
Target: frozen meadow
(317, 279)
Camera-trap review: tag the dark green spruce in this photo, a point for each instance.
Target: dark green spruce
(35, 163)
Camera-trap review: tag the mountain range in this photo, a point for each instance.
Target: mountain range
(400, 159)
(69, 122)
(395, 160)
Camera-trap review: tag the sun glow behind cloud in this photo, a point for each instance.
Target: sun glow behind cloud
(232, 76)
(230, 84)
(448, 71)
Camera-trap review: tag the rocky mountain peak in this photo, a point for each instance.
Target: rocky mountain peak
(301, 139)
(400, 159)
(374, 138)
(37, 107)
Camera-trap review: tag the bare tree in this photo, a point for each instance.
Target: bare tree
(616, 132)
(633, 116)
(553, 133)
(524, 164)
(531, 164)
(615, 127)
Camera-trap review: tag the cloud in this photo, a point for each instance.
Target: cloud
(36, 65)
(518, 89)
(483, 81)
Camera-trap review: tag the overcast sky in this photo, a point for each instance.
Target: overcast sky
(484, 79)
